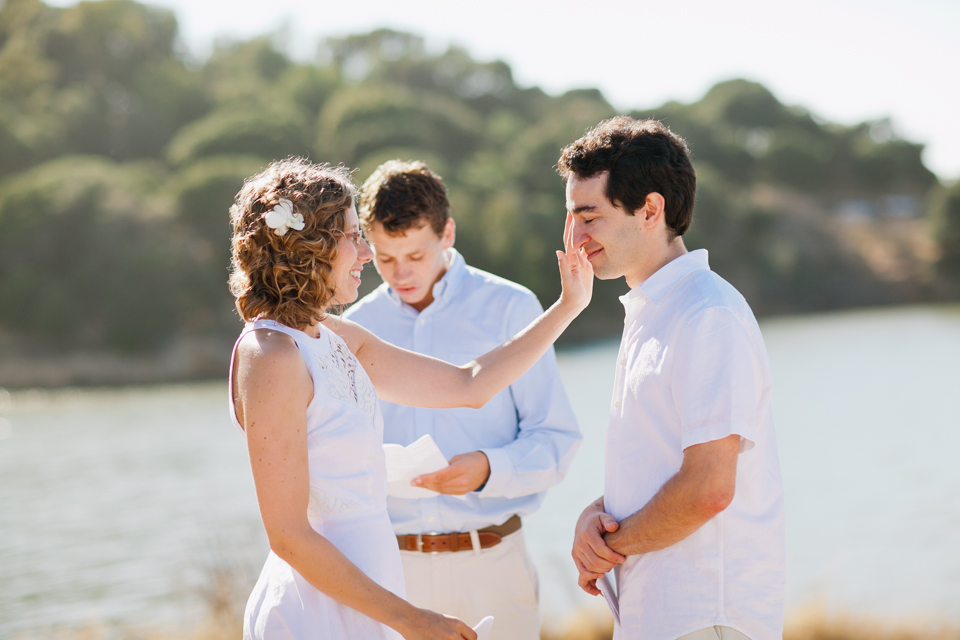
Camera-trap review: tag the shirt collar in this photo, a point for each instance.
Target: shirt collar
(447, 285)
(657, 287)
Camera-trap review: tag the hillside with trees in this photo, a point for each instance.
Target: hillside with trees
(119, 158)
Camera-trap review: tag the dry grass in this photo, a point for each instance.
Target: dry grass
(225, 596)
(810, 624)
(585, 624)
(592, 624)
(815, 624)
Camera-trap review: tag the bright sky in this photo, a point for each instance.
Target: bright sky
(845, 60)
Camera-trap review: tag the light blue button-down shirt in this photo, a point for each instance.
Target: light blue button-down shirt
(527, 431)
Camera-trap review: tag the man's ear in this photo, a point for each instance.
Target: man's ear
(652, 211)
(449, 233)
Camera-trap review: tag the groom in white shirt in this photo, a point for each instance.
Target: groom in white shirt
(691, 520)
(463, 551)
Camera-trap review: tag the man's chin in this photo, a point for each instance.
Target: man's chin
(602, 272)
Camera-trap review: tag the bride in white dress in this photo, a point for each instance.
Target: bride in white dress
(304, 388)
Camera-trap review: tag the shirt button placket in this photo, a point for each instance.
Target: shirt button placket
(420, 342)
(429, 507)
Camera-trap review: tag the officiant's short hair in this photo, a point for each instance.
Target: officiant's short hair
(402, 196)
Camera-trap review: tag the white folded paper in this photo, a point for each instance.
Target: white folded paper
(610, 595)
(406, 463)
(483, 628)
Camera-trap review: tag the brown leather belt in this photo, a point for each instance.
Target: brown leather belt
(432, 542)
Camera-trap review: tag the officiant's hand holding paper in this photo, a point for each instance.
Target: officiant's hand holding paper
(467, 472)
(404, 464)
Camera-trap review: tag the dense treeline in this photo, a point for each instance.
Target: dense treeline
(119, 159)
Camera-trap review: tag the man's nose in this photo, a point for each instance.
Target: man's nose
(579, 235)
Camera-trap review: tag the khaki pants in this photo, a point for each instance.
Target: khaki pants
(714, 633)
(501, 582)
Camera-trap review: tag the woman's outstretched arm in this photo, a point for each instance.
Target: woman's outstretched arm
(405, 377)
(273, 389)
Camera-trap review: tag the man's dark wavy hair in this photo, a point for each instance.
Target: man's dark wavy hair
(641, 156)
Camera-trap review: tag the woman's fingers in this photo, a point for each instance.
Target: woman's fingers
(461, 629)
(576, 272)
(441, 627)
(466, 632)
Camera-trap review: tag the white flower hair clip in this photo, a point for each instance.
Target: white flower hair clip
(282, 217)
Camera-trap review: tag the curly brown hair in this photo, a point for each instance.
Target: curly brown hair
(641, 156)
(403, 195)
(288, 278)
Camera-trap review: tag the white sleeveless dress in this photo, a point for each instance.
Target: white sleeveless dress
(348, 481)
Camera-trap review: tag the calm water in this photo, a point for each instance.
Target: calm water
(119, 506)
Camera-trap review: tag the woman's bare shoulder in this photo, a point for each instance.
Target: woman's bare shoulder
(269, 352)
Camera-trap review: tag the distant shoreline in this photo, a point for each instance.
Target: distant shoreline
(197, 360)
(187, 360)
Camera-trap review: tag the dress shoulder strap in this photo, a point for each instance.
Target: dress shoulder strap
(303, 343)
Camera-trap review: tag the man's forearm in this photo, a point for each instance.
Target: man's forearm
(664, 521)
(703, 487)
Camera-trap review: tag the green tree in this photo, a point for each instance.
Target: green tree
(359, 120)
(244, 72)
(119, 161)
(270, 132)
(87, 256)
(97, 77)
(126, 90)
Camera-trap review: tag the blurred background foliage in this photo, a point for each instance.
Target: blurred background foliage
(119, 158)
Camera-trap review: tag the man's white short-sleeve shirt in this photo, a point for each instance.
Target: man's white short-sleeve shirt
(693, 368)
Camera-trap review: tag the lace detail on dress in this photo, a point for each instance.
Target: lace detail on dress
(326, 503)
(347, 381)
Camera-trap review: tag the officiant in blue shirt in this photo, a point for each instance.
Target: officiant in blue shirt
(463, 551)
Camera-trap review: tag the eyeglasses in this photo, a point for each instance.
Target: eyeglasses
(354, 237)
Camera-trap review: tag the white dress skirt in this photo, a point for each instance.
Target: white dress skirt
(348, 480)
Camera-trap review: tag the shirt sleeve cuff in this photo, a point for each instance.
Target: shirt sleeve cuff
(718, 431)
(501, 470)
